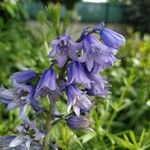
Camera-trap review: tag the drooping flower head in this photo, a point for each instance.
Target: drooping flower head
(20, 95)
(77, 100)
(64, 48)
(76, 122)
(81, 63)
(23, 76)
(77, 74)
(17, 98)
(28, 136)
(110, 38)
(47, 84)
(96, 53)
(99, 86)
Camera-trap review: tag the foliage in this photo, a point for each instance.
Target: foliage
(18, 42)
(20, 48)
(11, 10)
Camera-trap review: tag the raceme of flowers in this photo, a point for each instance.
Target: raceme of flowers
(80, 64)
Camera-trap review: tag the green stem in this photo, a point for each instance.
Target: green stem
(62, 71)
(116, 110)
(48, 127)
(111, 119)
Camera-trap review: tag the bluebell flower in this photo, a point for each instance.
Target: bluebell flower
(23, 76)
(19, 98)
(80, 122)
(77, 100)
(83, 60)
(22, 86)
(99, 86)
(96, 53)
(77, 74)
(14, 97)
(6, 140)
(64, 48)
(47, 85)
(110, 38)
(28, 134)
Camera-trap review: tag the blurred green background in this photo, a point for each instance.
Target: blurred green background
(121, 121)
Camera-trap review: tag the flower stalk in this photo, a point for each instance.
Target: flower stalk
(48, 128)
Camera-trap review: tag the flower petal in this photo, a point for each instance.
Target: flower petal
(111, 38)
(23, 76)
(17, 141)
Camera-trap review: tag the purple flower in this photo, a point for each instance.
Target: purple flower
(96, 53)
(23, 76)
(6, 140)
(15, 97)
(21, 96)
(77, 100)
(28, 134)
(63, 48)
(47, 85)
(76, 122)
(22, 86)
(110, 38)
(77, 74)
(36, 105)
(99, 86)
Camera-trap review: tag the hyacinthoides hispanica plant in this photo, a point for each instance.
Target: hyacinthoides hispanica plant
(73, 76)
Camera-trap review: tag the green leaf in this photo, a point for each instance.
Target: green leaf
(142, 137)
(54, 12)
(125, 137)
(66, 22)
(133, 138)
(41, 17)
(88, 137)
(77, 141)
(123, 143)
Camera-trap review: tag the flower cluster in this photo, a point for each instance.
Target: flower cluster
(29, 138)
(74, 72)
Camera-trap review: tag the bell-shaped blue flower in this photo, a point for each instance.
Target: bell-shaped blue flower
(77, 74)
(21, 94)
(80, 122)
(47, 84)
(25, 140)
(23, 76)
(20, 97)
(16, 97)
(77, 100)
(110, 38)
(96, 53)
(99, 85)
(64, 48)
(6, 140)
